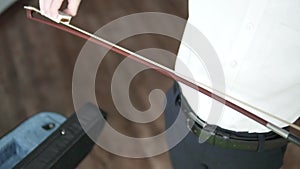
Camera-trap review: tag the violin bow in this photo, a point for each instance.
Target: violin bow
(63, 23)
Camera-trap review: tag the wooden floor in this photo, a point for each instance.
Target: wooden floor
(37, 61)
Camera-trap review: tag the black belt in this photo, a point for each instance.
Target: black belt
(229, 139)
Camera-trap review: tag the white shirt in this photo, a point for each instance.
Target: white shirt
(258, 45)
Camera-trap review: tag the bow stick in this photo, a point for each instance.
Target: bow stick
(63, 23)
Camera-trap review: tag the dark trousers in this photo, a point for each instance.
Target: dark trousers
(190, 154)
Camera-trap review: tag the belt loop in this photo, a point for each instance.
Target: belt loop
(175, 87)
(261, 142)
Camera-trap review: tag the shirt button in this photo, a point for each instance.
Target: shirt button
(233, 63)
(250, 26)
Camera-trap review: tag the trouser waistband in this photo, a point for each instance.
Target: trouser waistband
(226, 138)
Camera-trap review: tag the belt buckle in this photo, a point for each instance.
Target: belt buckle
(208, 133)
(200, 128)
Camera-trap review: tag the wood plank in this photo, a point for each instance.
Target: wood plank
(36, 67)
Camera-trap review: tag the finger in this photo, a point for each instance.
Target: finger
(44, 6)
(54, 7)
(72, 7)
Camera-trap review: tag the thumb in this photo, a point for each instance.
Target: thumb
(72, 7)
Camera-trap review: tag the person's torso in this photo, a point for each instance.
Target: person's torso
(258, 45)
